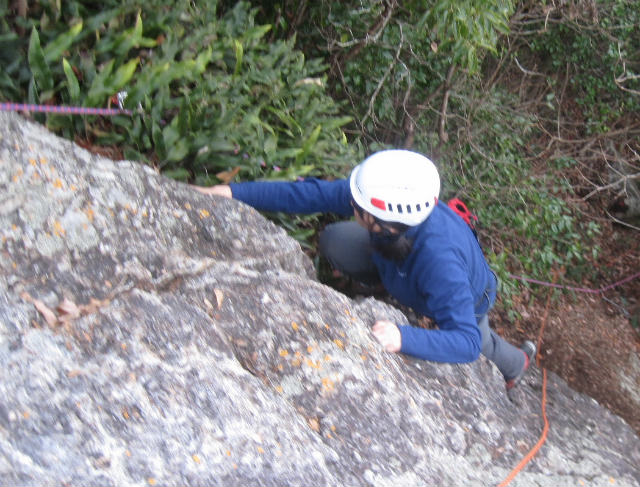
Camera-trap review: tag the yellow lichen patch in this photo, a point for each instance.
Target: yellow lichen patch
(309, 349)
(314, 424)
(89, 212)
(280, 367)
(279, 389)
(260, 449)
(204, 213)
(296, 362)
(339, 343)
(43, 160)
(18, 175)
(283, 352)
(363, 357)
(187, 206)
(298, 354)
(327, 358)
(294, 325)
(228, 453)
(314, 365)
(57, 183)
(58, 231)
(327, 384)
(196, 458)
(33, 162)
(151, 481)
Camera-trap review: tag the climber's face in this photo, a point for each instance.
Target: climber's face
(368, 221)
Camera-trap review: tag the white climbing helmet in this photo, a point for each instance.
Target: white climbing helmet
(396, 186)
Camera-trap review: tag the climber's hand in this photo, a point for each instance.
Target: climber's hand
(388, 334)
(218, 190)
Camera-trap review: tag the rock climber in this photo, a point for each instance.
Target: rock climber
(423, 253)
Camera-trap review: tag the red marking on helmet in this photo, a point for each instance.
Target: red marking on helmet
(379, 204)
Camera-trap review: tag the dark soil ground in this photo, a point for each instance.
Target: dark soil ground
(589, 339)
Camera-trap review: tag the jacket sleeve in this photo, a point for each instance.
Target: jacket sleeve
(445, 286)
(306, 196)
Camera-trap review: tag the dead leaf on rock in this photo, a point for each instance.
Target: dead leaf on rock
(68, 309)
(49, 316)
(219, 297)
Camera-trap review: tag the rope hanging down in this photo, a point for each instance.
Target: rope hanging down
(543, 403)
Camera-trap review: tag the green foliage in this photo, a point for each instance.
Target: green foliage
(463, 31)
(602, 59)
(387, 57)
(210, 95)
(526, 226)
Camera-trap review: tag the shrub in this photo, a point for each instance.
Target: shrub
(210, 95)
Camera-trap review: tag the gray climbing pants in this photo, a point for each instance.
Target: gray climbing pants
(347, 247)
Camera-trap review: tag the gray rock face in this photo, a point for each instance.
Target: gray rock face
(151, 335)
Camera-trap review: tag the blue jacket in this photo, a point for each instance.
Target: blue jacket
(445, 277)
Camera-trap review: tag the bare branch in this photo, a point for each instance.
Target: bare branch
(443, 109)
(371, 112)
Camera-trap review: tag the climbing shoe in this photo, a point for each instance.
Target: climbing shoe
(529, 350)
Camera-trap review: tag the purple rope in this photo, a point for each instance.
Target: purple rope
(63, 109)
(578, 289)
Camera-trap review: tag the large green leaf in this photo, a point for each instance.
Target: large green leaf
(72, 81)
(38, 65)
(56, 48)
